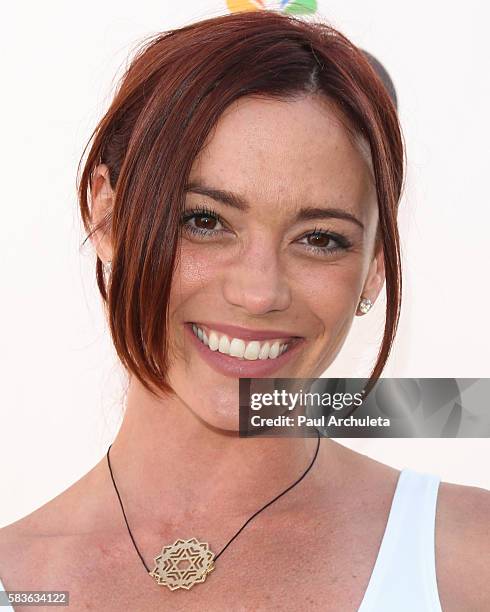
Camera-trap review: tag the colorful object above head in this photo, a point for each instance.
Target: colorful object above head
(293, 7)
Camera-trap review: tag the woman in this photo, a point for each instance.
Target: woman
(241, 194)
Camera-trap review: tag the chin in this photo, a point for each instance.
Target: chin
(217, 410)
(212, 398)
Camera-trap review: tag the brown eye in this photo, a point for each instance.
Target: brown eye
(319, 240)
(204, 222)
(325, 243)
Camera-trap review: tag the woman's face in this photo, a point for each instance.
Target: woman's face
(278, 246)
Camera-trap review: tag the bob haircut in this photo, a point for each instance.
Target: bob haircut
(168, 100)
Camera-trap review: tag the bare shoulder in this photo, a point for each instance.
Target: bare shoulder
(24, 545)
(463, 547)
(29, 545)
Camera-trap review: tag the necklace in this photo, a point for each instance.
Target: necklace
(185, 563)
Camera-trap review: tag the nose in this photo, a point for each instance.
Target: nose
(256, 282)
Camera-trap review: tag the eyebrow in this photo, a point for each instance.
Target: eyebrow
(304, 214)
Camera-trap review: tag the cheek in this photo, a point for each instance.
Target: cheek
(196, 273)
(329, 292)
(325, 290)
(330, 289)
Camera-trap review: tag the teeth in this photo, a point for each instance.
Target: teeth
(274, 352)
(252, 351)
(264, 351)
(224, 345)
(213, 341)
(236, 347)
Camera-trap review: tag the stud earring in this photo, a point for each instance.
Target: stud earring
(365, 305)
(107, 266)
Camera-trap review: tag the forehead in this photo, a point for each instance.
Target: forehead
(287, 154)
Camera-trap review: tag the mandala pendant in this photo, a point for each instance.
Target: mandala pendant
(183, 564)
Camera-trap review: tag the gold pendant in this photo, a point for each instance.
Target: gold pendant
(183, 564)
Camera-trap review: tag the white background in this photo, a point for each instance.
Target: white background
(61, 387)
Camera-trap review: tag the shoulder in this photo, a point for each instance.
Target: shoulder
(463, 546)
(29, 546)
(21, 546)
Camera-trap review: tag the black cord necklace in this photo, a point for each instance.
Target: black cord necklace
(187, 562)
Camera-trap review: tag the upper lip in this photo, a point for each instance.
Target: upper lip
(245, 333)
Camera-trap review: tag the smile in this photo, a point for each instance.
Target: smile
(239, 352)
(239, 348)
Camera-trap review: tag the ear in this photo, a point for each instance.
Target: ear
(376, 276)
(102, 203)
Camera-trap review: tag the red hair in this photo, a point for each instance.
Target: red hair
(171, 95)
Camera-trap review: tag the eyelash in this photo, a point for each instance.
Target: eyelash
(343, 244)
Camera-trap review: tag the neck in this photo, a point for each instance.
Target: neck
(169, 466)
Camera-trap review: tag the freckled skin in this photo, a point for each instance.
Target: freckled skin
(180, 478)
(280, 156)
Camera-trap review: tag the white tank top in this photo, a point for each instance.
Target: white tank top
(404, 575)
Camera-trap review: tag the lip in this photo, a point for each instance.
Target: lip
(244, 333)
(242, 368)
